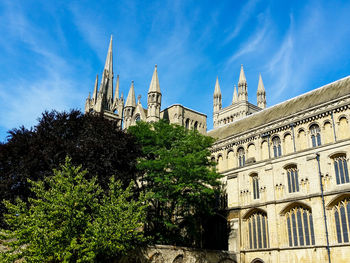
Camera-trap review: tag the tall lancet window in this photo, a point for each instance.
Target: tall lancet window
(257, 230)
(293, 180)
(300, 227)
(276, 146)
(341, 169)
(341, 212)
(315, 135)
(255, 181)
(241, 157)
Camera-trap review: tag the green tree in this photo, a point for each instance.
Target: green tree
(90, 140)
(72, 220)
(176, 168)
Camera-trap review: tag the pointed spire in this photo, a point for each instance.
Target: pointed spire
(217, 90)
(116, 93)
(130, 100)
(235, 96)
(261, 85)
(154, 86)
(94, 95)
(109, 58)
(242, 78)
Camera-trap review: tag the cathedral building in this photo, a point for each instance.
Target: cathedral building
(286, 174)
(126, 114)
(285, 168)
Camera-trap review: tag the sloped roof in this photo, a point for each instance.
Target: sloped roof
(310, 99)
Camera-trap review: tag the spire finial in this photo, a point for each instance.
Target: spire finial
(130, 100)
(261, 84)
(235, 96)
(217, 90)
(154, 86)
(242, 78)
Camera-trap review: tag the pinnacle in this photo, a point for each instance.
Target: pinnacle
(109, 58)
(217, 90)
(242, 78)
(235, 96)
(154, 86)
(261, 84)
(130, 100)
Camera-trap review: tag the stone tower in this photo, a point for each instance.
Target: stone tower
(154, 98)
(261, 95)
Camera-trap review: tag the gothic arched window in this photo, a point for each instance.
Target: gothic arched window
(341, 212)
(138, 118)
(300, 227)
(195, 127)
(258, 230)
(255, 182)
(341, 169)
(293, 180)
(241, 157)
(315, 135)
(187, 124)
(276, 146)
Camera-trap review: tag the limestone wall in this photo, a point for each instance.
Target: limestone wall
(173, 254)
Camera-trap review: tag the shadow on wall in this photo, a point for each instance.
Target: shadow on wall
(172, 254)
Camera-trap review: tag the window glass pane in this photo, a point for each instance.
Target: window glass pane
(250, 234)
(289, 231)
(279, 150)
(318, 139)
(259, 232)
(292, 180)
(254, 232)
(294, 227)
(336, 171)
(264, 232)
(300, 228)
(243, 160)
(341, 171)
(312, 229)
(296, 180)
(257, 188)
(344, 224)
(313, 140)
(306, 227)
(346, 171)
(337, 225)
(289, 183)
(274, 151)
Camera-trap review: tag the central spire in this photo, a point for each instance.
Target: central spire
(109, 58)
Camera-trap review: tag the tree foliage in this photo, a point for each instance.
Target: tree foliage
(71, 219)
(176, 168)
(92, 141)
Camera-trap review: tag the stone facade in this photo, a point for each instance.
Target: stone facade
(113, 107)
(287, 180)
(172, 254)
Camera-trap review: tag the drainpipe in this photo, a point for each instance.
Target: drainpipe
(335, 136)
(323, 205)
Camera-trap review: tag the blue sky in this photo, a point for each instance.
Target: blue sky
(51, 51)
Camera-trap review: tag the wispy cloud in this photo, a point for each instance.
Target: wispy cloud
(244, 15)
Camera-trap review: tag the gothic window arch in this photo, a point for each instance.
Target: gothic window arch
(292, 178)
(340, 213)
(315, 135)
(276, 142)
(137, 118)
(300, 228)
(255, 184)
(341, 168)
(195, 127)
(257, 226)
(241, 157)
(187, 123)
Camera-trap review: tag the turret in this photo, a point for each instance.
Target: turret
(260, 94)
(217, 96)
(242, 86)
(154, 98)
(130, 106)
